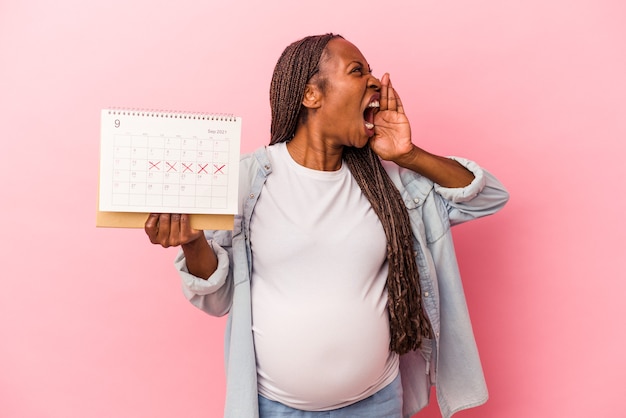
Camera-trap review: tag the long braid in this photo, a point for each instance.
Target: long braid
(407, 319)
(295, 68)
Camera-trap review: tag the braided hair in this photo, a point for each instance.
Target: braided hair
(296, 67)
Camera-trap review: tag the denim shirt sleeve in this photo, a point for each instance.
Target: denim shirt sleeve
(484, 196)
(213, 295)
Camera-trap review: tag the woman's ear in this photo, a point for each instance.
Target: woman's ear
(312, 96)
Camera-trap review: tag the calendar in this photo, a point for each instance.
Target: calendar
(168, 162)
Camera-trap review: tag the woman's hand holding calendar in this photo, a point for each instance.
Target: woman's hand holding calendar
(170, 230)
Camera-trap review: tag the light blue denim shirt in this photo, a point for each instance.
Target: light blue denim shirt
(450, 361)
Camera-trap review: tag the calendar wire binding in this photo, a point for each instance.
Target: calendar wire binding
(174, 114)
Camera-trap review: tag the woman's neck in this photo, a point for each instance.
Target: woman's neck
(313, 152)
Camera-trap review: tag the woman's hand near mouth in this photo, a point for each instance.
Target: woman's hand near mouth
(392, 138)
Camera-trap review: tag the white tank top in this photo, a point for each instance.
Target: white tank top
(319, 303)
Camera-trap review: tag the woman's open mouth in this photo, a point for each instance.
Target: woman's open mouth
(368, 114)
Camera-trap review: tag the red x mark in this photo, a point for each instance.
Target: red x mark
(202, 168)
(187, 167)
(154, 165)
(218, 169)
(170, 167)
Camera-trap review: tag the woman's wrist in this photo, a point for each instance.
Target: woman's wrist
(409, 159)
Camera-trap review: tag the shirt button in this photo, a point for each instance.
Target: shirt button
(416, 200)
(267, 167)
(251, 196)
(426, 294)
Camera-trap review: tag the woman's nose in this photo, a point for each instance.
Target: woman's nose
(374, 83)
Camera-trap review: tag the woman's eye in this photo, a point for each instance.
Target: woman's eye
(358, 70)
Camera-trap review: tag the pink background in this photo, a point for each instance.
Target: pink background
(92, 321)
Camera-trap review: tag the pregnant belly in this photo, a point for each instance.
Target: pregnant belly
(320, 356)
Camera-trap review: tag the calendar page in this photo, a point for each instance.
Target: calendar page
(168, 162)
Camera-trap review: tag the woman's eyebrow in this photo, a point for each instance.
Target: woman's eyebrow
(360, 63)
